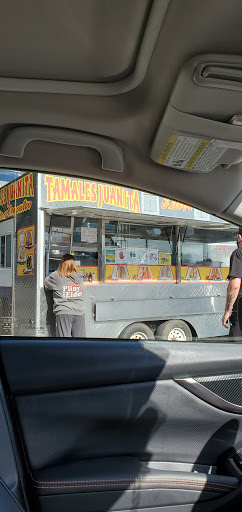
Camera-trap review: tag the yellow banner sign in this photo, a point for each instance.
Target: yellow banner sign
(60, 189)
(15, 210)
(22, 188)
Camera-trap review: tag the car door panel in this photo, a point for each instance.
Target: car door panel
(140, 419)
(12, 478)
(124, 490)
(8, 501)
(72, 364)
(105, 426)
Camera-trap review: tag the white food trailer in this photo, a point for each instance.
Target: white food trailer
(153, 267)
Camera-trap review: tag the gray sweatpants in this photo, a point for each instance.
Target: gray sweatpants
(70, 326)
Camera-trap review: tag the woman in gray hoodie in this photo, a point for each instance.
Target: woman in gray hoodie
(69, 307)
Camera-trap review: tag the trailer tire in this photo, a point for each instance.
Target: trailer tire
(137, 331)
(174, 330)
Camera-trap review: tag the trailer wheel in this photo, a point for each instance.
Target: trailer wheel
(137, 331)
(174, 330)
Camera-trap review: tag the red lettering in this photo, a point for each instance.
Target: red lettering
(56, 190)
(19, 189)
(82, 198)
(49, 183)
(65, 189)
(136, 205)
(100, 196)
(87, 190)
(130, 193)
(112, 196)
(11, 192)
(180, 206)
(125, 199)
(165, 204)
(3, 196)
(30, 192)
(74, 191)
(106, 194)
(94, 193)
(119, 197)
(26, 181)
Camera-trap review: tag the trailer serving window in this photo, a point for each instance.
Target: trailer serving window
(85, 232)
(5, 248)
(60, 231)
(76, 235)
(85, 247)
(57, 239)
(205, 253)
(139, 252)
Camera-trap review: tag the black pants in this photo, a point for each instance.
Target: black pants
(235, 331)
(70, 326)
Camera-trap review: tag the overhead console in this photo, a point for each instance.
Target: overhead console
(202, 125)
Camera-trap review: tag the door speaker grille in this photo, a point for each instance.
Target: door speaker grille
(228, 386)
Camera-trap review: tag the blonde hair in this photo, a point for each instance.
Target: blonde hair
(68, 266)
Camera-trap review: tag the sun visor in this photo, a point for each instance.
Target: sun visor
(202, 125)
(100, 48)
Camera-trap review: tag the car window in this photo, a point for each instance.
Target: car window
(111, 262)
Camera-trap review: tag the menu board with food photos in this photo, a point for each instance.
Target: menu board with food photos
(132, 256)
(25, 251)
(139, 273)
(138, 264)
(204, 274)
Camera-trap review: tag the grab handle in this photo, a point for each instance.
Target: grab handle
(16, 140)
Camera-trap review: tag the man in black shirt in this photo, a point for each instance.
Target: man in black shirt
(234, 291)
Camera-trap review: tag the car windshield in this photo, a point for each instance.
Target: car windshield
(120, 262)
